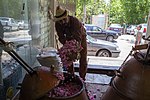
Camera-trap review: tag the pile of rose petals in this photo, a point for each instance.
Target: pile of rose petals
(65, 90)
(69, 52)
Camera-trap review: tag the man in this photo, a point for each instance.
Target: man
(138, 36)
(68, 28)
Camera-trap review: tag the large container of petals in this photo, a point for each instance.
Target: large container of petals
(71, 88)
(36, 85)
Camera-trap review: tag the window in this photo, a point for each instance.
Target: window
(95, 28)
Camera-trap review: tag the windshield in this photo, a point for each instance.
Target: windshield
(91, 39)
(4, 19)
(115, 25)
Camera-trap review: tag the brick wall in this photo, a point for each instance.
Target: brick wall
(46, 35)
(42, 33)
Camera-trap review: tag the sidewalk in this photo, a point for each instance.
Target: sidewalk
(101, 63)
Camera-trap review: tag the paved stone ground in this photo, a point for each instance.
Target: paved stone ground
(95, 91)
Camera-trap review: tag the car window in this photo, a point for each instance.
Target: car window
(13, 21)
(115, 25)
(88, 28)
(145, 25)
(95, 28)
(1, 18)
(90, 39)
(130, 26)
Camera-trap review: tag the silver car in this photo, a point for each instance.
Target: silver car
(9, 24)
(101, 48)
(131, 29)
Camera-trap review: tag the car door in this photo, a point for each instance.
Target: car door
(90, 47)
(97, 32)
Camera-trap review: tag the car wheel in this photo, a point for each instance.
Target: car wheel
(110, 38)
(103, 53)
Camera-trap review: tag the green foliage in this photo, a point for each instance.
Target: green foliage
(93, 7)
(11, 8)
(135, 11)
(116, 12)
(120, 11)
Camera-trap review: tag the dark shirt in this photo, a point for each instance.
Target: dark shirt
(74, 29)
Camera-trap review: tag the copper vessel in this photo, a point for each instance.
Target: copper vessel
(131, 81)
(80, 95)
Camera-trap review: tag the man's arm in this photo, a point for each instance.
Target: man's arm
(78, 29)
(61, 37)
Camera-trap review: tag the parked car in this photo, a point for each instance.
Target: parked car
(116, 27)
(19, 41)
(9, 24)
(100, 33)
(23, 25)
(131, 29)
(101, 48)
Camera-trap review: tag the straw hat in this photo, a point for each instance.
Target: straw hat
(60, 14)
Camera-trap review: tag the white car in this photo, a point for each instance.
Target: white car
(131, 29)
(9, 24)
(116, 27)
(23, 25)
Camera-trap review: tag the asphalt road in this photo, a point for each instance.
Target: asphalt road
(125, 43)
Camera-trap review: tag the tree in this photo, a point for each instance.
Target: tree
(129, 11)
(11, 8)
(93, 7)
(120, 11)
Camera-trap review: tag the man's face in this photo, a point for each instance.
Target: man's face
(64, 21)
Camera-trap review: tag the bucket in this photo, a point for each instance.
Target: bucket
(73, 83)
